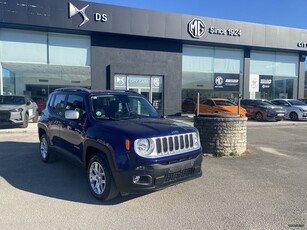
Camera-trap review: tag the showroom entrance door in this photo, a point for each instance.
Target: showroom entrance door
(150, 87)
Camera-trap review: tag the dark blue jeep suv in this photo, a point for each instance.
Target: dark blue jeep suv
(120, 139)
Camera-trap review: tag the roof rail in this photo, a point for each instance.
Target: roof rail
(72, 89)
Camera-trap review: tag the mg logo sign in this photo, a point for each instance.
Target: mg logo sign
(197, 28)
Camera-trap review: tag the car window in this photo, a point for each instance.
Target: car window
(208, 102)
(12, 100)
(58, 104)
(224, 103)
(75, 102)
(297, 102)
(122, 107)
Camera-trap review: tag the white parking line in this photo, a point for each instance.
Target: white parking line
(273, 151)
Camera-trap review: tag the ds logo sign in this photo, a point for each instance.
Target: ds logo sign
(196, 28)
(73, 10)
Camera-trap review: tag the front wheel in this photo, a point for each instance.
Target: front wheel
(293, 116)
(100, 179)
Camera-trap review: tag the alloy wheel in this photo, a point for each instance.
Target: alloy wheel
(97, 178)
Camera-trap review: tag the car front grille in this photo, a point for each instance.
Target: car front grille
(5, 115)
(174, 144)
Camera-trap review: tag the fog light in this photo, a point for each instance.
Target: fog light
(136, 179)
(142, 180)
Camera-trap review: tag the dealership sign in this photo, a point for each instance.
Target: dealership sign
(226, 82)
(265, 83)
(260, 83)
(197, 29)
(73, 10)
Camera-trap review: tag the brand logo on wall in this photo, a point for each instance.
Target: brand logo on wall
(219, 80)
(226, 82)
(73, 10)
(197, 28)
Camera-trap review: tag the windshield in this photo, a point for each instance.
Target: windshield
(12, 100)
(264, 102)
(224, 103)
(297, 102)
(122, 107)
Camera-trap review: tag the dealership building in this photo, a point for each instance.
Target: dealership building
(167, 57)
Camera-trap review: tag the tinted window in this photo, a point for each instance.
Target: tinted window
(224, 103)
(122, 107)
(58, 104)
(297, 102)
(12, 100)
(75, 102)
(208, 102)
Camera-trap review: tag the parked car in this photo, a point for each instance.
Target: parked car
(296, 109)
(219, 105)
(41, 103)
(188, 105)
(17, 110)
(120, 139)
(263, 110)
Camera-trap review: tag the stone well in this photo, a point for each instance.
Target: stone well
(222, 134)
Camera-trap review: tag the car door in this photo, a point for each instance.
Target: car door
(72, 131)
(56, 119)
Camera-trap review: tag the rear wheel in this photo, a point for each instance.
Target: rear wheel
(259, 116)
(293, 116)
(100, 179)
(45, 152)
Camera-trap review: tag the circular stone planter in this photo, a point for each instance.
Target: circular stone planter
(222, 134)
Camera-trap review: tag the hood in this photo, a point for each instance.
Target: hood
(9, 107)
(271, 107)
(142, 128)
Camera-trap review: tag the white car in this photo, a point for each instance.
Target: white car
(296, 110)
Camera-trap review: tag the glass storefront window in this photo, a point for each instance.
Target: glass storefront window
(200, 66)
(149, 86)
(281, 68)
(36, 63)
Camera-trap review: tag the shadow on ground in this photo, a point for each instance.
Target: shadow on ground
(22, 167)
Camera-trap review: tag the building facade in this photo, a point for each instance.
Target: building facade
(169, 58)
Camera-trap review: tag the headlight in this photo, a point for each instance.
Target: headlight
(144, 147)
(16, 110)
(196, 140)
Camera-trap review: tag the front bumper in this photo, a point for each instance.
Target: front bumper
(10, 118)
(149, 178)
(273, 116)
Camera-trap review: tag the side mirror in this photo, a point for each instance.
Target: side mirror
(72, 115)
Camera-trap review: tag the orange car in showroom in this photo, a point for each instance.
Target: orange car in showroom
(219, 105)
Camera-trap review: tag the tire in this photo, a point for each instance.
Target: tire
(259, 116)
(100, 179)
(35, 119)
(46, 154)
(25, 121)
(293, 116)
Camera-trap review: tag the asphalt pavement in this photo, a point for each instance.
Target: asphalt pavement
(264, 189)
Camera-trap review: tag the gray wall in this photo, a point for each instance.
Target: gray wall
(53, 14)
(126, 55)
